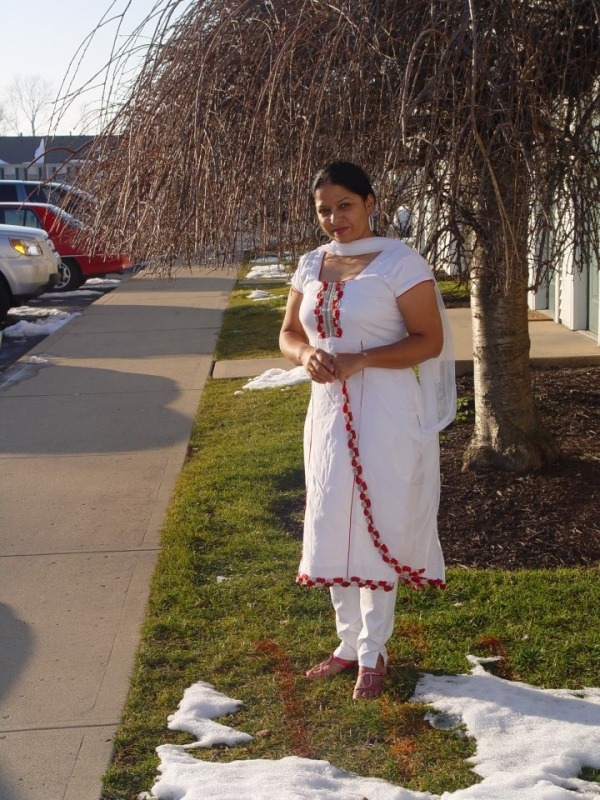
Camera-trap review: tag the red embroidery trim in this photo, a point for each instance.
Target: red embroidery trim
(306, 580)
(407, 575)
(327, 309)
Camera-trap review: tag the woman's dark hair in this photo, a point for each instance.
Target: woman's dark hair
(346, 174)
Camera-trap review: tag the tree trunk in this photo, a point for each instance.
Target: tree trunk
(508, 433)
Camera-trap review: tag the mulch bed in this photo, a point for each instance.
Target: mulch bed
(545, 519)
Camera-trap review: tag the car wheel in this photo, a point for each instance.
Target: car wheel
(71, 278)
(6, 300)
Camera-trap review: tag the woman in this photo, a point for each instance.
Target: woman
(362, 312)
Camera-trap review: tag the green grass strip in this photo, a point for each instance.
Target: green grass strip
(251, 327)
(236, 514)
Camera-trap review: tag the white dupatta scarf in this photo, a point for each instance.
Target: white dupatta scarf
(436, 375)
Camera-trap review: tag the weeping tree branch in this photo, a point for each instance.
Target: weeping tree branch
(480, 118)
(239, 101)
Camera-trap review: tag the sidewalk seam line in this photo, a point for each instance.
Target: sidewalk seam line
(81, 552)
(66, 727)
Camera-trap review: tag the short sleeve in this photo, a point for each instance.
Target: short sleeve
(407, 271)
(308, 269)
(299, 276)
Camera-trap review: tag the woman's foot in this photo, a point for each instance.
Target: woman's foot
(330, 667)
(369, 683)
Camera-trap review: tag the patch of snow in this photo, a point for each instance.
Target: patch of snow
(107, 282)
(260, 294)
(275, 378)
(76, 293)
(25, 329)
(265, 260)
(531, 745)
(268, 271)
(195, 714)
(292, 778)
(32, 311)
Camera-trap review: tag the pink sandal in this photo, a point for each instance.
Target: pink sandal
(330, 667)
(369, 684)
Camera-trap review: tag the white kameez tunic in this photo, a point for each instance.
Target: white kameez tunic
(373, 523)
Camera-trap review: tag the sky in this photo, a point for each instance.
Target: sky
(40, 38)
(531, 744)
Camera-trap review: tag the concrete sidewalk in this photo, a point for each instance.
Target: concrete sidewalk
(90, 446)
(551, 344)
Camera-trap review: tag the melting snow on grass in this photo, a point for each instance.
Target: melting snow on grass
(277, 378)
(531, 745)
(200, 704)
(262, 271)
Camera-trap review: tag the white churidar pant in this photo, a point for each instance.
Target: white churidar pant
(364, 621)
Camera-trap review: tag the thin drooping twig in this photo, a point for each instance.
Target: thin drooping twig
(239, 101)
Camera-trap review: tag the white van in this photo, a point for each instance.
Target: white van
(29, 265)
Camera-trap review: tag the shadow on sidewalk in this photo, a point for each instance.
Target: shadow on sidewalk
(67, 410)
(184, 280)
(16, 641)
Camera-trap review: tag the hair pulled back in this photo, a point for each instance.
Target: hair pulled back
(346, 174)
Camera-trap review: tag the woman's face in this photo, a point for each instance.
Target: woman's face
(343, 215)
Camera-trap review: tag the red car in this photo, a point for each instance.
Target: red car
(63, 229)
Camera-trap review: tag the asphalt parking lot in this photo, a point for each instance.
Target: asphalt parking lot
(42, 311)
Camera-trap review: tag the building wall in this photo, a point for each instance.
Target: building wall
(20, 172)
(571, 305)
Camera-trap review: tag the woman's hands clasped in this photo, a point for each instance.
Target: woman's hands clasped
(323, 367)
(346, 364)
(318, 365)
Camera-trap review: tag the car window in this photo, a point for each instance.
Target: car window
(31, 219)
(67, 218)
(8, 193)
(14, 216)
(36, 193)
(56, 195)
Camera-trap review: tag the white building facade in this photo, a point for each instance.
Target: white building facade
(570, 298)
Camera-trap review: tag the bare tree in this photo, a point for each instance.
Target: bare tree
(3, 120)
(480, 117)
(29, 100)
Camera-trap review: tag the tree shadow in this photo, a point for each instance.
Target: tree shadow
(16, 640)
(84, 410)
(288, 501)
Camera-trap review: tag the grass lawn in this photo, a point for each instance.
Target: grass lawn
(251, 327)
(236, 514)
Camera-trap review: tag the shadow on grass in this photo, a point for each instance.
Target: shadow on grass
(287, 501)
